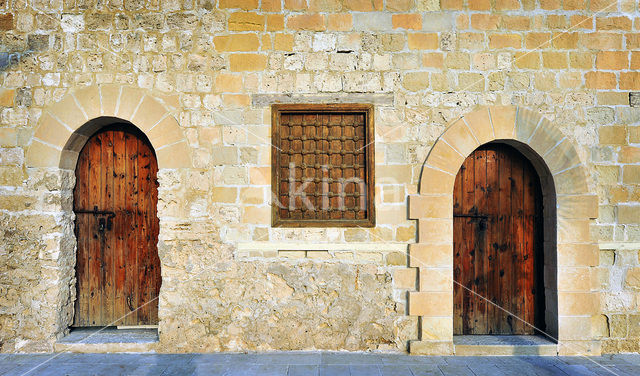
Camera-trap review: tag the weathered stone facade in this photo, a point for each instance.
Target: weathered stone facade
(198, 78)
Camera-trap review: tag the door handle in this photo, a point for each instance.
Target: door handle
(102, 225)
(478, 216)
(95, 211)
(129, 304)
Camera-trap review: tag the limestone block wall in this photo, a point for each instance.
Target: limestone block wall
(35, 297)
(618, 277)
(198, 78)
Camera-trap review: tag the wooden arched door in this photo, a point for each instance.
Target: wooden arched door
(115, 198)
(498, 250)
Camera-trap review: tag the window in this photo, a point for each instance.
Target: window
(322, 174)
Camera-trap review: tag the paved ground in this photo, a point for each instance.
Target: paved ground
(311, 363)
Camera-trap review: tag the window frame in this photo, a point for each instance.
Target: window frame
(368, 111)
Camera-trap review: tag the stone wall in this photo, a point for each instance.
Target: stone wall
(619, 277)
(217, 298)
(215, 66)
(37, 287)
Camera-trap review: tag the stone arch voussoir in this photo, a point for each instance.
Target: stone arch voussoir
(432, 207)
(59, 137)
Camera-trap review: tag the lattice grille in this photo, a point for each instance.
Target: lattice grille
(321, 167)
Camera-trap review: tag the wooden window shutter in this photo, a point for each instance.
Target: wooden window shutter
(323, 165)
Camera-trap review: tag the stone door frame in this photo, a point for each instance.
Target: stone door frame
(61, 132)
(570, 252)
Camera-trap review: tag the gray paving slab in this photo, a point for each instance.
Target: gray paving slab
(333, 370)
(123, 358)
(95, 369)
(486, 370)
(611, 370)
(576, 370)
(425, 370)
(411, 359)
(311, 364)
(27, 358)
(225, 358)
(113, 369)
(622, 371)
(470, 360)
(517, 369)
(290, 358)
(27, 369)
(604, 360)
(595, 366)
(395, 370)
(303, 370)
(364, 370)
(455, 370)
(257, 369)
(627, 358)
(6, 368)
(546, 369)
(529, 365)
(146, 369)
(580, 359)
(187, 369)
(350, 358)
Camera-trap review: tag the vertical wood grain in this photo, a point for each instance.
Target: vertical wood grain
(497, 243)
(96, 239)
(118, 268)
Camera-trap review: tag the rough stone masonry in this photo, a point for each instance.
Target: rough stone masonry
(231, 282)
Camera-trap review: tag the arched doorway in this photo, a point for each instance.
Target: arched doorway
(497, 244)
(116, 227)
(569, 209)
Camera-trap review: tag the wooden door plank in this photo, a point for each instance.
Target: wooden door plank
(119, 229)
(517, 198)
(491, 263)
(458, 251)
(106, 204)
(528, 247)
(504, 243)
(143, 314)
(82, 231)
(144, 272)
(538, 246)
(152, 243)
(479, 280)
(79, 203)
(147, 272)
(468, 207)
(96, 238)
(131, 192)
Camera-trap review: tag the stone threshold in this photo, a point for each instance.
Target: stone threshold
(503, 345)
(108, 340)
